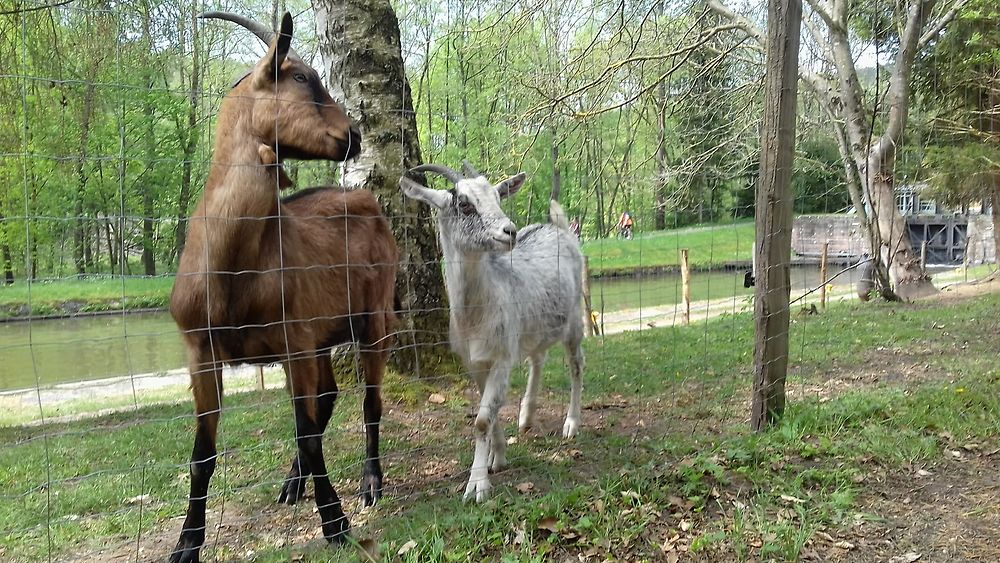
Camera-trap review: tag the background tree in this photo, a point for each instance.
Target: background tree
(960, 81)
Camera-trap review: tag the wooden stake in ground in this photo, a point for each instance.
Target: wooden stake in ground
(686, 285)
(822, 274)
(588, 310)
(774, 213)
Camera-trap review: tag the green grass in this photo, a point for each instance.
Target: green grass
(666, 451)
(709, 247)
(88, 294)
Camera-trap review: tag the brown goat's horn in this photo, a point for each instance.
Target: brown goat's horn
(262, 32)
(452, 175)
(469, 171)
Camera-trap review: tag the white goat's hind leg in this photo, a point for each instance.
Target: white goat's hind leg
(574, 351)
(493, 397)
(526, 419)
(498, 448)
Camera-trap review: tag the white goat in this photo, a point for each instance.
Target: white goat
(513, 296)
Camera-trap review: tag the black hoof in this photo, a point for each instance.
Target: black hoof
(294, 487)
(187, 548)
(371, 489)
(337, 531)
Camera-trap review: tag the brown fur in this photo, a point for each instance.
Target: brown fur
(263, 281)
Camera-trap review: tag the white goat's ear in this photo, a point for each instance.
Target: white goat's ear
(510, 186)
(435, 198)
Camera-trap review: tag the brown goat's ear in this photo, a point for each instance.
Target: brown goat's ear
(268, 67)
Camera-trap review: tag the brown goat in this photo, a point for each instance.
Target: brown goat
(264, 280)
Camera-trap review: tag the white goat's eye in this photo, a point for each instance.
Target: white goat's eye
(299, 77)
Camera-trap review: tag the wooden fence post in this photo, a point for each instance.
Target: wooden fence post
(773, 213)
(260, 377)
(822, 274)
(686, 285)
(588, 309)
(923, 256)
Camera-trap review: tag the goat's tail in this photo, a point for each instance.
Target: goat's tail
(557, 216)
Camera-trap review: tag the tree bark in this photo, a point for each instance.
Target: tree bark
(80, 249)
(190, 140)
(660, 216)
(360, 44)
(8, 261)
(147, 182)
(774, 214)
(556, 175)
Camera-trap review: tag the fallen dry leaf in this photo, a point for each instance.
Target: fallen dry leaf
(406, 547)
(923, 473)
(825, 536)
(548, 524)
(519, 536)
(844, 544)
(436, 398)
(525, 488)
(685, 525)
(789, 498)
(906, 558)
(668, 544)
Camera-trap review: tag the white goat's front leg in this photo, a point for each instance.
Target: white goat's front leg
(526, 418)
(574, 351)
(494, 392)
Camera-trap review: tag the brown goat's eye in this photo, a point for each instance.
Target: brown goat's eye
(466, 208)
(299, 77)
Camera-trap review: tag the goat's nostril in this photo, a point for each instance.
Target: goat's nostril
(510, 230)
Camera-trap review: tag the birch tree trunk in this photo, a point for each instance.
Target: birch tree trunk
(360, 44)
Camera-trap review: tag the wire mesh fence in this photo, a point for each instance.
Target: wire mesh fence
(641, 118)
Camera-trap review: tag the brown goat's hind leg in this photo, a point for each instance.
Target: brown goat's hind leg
(304, 376)
(371, 477)
(206, 386)
(294, 487)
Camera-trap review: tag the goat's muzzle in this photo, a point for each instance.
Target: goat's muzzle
(353, 144)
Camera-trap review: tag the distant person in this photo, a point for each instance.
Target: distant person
(625, 225)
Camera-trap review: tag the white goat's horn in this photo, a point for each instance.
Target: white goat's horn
(263, 33)
(441, 169)
(469, 170)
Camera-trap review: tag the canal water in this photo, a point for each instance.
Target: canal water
(48, 352)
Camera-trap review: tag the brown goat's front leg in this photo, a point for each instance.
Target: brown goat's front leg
(206, 386)
(294, 487)
(304, 377)
(373, 362)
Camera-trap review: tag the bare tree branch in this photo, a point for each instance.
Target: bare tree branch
(935, 27)
(741, 22)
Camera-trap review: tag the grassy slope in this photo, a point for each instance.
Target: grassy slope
(96, 294)
(710, 246)
(665, 451)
